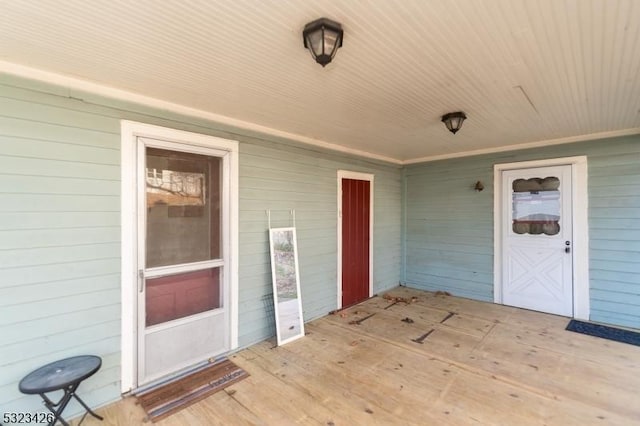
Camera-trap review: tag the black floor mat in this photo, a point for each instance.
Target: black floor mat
(611, 333)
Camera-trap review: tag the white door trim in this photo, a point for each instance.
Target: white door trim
(345, 174)
(130, 131)
(580, 252)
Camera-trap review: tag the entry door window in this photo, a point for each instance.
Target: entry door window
(536, 206)
(183, 201)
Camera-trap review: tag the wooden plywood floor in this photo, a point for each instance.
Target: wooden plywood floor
(478, 363)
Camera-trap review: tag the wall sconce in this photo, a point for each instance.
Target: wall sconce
(479, 186)
(322, 37)
(453, 121)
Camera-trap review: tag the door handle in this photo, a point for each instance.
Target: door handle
(567, 249)
(140, 280)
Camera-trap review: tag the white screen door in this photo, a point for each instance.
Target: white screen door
(183, 283)
(537, 239)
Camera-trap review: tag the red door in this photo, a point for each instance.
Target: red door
(355, 240)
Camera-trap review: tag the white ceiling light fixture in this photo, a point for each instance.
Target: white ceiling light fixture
(322, 37)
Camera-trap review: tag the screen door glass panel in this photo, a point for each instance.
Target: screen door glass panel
(536, 206)
(181, 295)
(183, 193)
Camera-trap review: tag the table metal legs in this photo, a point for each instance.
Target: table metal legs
(58, 407)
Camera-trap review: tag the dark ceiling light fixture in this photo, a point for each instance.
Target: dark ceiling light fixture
(453, 121)
(322, 37)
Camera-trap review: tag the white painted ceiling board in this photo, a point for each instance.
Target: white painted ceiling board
(524, 71)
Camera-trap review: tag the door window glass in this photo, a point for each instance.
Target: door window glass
(536, 206)
(178, 296)
(183, 195)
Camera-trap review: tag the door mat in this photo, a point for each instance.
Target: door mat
(172, 397)
(611, 333)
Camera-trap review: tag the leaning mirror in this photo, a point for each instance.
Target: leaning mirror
(286, 284)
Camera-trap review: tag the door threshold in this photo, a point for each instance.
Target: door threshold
(176, 376)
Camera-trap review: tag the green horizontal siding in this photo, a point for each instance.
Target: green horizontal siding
(59, 240)
(614, 206)
(448, 229)
(60, 228)
(281, 179)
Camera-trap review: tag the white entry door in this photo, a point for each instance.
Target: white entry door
(183, 256)
(537, 239)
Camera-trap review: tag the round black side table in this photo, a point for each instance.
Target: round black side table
(66, 375)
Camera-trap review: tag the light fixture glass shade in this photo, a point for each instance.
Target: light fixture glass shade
(322, 37)
(453, 121)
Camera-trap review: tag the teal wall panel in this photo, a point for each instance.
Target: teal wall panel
(448, 227)
(307, 184)
(60, 228)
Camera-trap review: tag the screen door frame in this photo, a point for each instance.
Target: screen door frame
(130, 132)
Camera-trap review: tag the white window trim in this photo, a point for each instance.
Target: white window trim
(130, 131)
(345, 174)
(580, 252)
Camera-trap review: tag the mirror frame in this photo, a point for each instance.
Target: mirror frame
(280, 334)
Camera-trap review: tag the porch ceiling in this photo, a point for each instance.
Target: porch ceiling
(525, 72)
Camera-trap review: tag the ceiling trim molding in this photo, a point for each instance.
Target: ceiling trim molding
(124, 95)
(537, 144)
